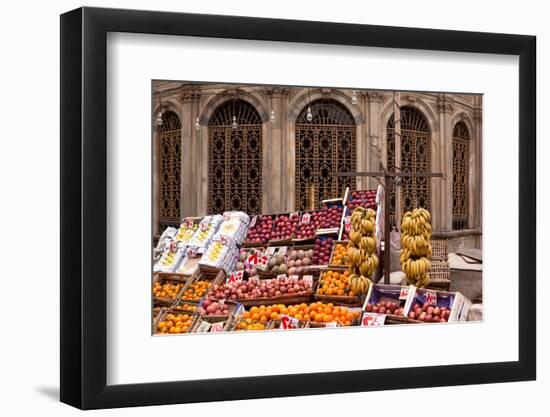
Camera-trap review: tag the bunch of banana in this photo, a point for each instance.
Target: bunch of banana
(416, 249)
(361, 247)
(359, 284)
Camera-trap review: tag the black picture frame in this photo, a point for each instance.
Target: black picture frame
(84, 207)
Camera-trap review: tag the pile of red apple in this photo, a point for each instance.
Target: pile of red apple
(386, 307)
(307, 228)
(430, 313)
(261, 231)
(322, 251)
(285, 227)
(267, 288)
(364, 198)
(330, 216)
(212, 307)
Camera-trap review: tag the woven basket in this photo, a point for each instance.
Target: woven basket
(440, 250)
(439, 275)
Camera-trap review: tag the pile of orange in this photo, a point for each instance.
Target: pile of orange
(197, 290)
(249, 324)
(175, 323)
(318, 312)
(339, 256)
(167, 290)
(335, 283)
(186, 307)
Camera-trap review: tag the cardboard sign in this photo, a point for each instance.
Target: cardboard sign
(431, 297)
(288, 322)
(173, 246)
(236, 276)
(306, 218)
(373, 319)
(217, 327)
(192, 252)
(294, 215)
(404, 293)
(308, 279)
(204, 227)
(257, 259)
(253, 221)
(189, 223)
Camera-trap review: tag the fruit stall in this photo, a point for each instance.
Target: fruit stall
(300, 270)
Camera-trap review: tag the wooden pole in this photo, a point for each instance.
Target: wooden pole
(397, 153)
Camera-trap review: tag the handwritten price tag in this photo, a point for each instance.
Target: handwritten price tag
(217, 327)
(288, 322)
(192, 252)
(253, 222)
(306, 218)
(282, 277)
(347, 224)
(204, 227)
(203, 327)
(257, 259)
(308, 279)
(294, 215)
(226, 216)
(331, 324)
(431, 297)
(189, 223)
(223, 239)
(373, 319)
(404, 294)
(235, 277)
(173, 246)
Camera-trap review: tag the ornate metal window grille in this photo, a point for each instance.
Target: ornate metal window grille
(170, 170)
(461, 141)
(324, 146)
(415, 157)
(235, 158)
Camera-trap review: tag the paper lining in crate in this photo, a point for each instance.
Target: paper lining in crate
(174, 322)
(212, 324)
(201, 282)
(170, 259)
(439, 275)
(440, 250)
(187, 229)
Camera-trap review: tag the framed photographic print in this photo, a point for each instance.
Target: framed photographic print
(283, 208)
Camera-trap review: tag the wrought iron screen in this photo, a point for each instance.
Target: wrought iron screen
(324, 146)
(170, 170)
(235, 158)
(461, 141)
(415, 157)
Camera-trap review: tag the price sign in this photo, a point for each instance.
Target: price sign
(306, 218)
(373, 319)
(204, 227)
(331, 324)
(189, 223)
(255, 279)
(431, 297)
(308, 279)
(173, 246)
(236, 276)
(347, 224)
(223, 239)
(217, 327)
(203, 327)
(281, 277)
(192, 252)
(257, 259)
(253, 221)
(404, 294)
(288, 322)
(226, 216)
(293, 277)
(294, 215)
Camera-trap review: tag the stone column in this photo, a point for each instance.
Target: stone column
(442, 161)
(476, 161)
(373, 112)
(275, 171)
(190, 163)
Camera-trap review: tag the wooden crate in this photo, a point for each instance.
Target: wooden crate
(165, 301)
(167, 311)
(214, 275)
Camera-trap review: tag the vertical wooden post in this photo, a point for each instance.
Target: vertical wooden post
(387, 251)
(397, 152)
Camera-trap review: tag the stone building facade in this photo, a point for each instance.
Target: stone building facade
(449, 139)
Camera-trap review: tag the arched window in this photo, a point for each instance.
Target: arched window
(415, 157)
(461, 140)
(170, 170)
(325, 145)
(235, 158)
